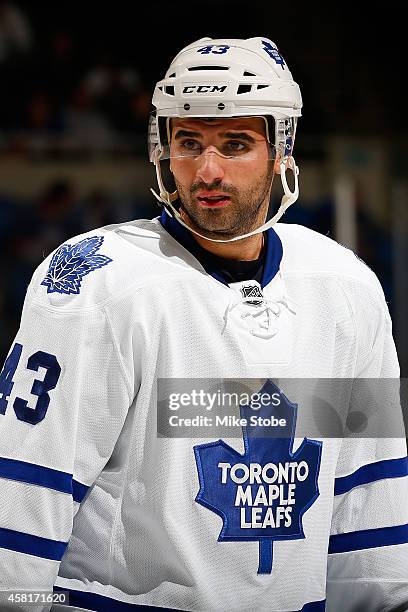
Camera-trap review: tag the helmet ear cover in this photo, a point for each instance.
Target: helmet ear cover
(164, 131)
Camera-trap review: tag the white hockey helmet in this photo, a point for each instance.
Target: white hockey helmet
(229, 78)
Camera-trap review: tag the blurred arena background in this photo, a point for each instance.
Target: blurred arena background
(76, 82)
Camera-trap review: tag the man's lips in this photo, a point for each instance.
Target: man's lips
(212, 199)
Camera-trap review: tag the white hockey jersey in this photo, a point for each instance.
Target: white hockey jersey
(94, 502)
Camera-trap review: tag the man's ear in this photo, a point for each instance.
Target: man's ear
(276, 165)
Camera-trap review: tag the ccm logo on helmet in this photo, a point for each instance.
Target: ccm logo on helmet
(188, 89)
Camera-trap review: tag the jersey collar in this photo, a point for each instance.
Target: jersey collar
(273, 254)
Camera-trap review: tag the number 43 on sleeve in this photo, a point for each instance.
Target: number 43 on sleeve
(40, 388)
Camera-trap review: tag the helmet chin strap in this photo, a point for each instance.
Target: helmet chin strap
(288, 198)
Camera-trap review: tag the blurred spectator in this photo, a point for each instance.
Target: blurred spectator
(8, 216)
(38, 126)
(85, 126)
(112, 89)
(16, 42)
(15, 32)
(63, 66)
(141, 107)
(97, 210)
(41, 115)
(49, 222)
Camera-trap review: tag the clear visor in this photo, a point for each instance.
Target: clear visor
(231, 149)
(238, 145)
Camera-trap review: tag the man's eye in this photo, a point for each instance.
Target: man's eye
(234, 146)
(191, 145)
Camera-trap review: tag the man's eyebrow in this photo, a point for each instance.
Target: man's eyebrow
(236, 135)
(186, 134)
(240, 136)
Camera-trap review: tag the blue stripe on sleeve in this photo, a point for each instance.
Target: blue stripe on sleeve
(36, 474)
(30, 473)
(314, 606)
(100, 603)
(79, 490)
(388, 468)
(32, 545)
(368, 538)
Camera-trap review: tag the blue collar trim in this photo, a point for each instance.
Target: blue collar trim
(273, 255)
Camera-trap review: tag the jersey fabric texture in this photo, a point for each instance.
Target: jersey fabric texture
(92, 501)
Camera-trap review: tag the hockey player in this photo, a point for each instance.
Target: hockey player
(93, 502)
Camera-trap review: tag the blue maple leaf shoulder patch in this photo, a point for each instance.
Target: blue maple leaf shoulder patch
(71, 262)
(260, 495)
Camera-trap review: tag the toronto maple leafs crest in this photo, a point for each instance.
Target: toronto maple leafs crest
(71, 262)
(260, 495)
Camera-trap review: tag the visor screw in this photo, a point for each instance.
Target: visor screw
(221, 106)
(186, 107)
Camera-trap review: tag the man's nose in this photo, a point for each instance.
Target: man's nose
(210, 166)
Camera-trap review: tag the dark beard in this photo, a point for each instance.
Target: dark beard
(246, 211)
